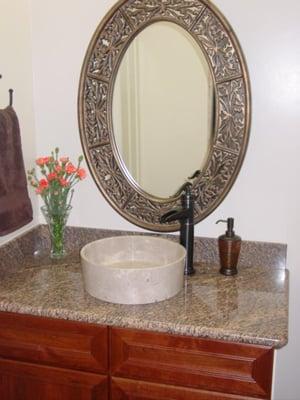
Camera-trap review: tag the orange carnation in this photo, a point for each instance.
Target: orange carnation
(43, 184)
(58, 168)
(42, 161)
(70, 169)
(63, 182)
(81, 173)
(64, 160)
(51, 176)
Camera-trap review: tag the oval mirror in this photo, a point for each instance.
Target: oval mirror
(146, 124)
(163, 102)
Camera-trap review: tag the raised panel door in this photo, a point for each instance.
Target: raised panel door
(192, 362)
(24, 381)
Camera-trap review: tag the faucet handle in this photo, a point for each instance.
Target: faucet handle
(195, 174)
(185, 188)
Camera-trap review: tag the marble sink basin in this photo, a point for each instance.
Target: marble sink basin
(133, 269)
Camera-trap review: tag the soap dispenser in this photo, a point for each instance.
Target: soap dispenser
(229, 249)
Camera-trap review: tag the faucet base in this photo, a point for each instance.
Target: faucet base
(189, 270)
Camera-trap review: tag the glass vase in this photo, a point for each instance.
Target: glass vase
(57, 222)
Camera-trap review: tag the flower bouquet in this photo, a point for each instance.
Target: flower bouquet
(55, 186)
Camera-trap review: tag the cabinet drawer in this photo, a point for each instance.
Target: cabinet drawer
(24, 381)
(54, 342)
(197, 363)
(126, 389)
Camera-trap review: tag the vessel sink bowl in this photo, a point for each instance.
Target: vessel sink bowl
(133, 269)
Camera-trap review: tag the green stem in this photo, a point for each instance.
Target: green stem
(58, 225)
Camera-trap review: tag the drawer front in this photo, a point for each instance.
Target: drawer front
(24, 381)
(54, 342)
(126, 389)
(184, 361)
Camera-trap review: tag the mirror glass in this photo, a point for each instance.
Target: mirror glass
(163, 108)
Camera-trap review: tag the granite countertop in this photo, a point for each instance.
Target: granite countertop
(251, 307)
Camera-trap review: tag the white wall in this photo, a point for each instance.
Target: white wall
(265, 198)
(16, 71)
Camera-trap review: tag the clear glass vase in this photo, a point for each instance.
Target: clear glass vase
(57, 221)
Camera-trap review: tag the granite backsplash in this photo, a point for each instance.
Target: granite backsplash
(37, 242)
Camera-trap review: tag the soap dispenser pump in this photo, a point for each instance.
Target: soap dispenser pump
(229, 249)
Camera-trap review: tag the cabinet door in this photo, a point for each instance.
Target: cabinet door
(209, 365)
(24, 381)
(126, 389)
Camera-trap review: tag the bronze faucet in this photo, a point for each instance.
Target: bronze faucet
(185, 216)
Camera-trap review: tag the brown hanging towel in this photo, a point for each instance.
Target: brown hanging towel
(15, 205)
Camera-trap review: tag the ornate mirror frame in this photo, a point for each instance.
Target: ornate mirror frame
(232, 104)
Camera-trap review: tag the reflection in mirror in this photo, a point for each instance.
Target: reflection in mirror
(163, 108)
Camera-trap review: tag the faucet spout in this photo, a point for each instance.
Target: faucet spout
(174, 215)
(185, 216)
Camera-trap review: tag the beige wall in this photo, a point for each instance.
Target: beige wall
(16, 70)
(265, 197)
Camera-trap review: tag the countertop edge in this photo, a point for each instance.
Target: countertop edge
(183, 330)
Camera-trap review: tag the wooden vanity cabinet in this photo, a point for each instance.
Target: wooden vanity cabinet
(52, 359)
